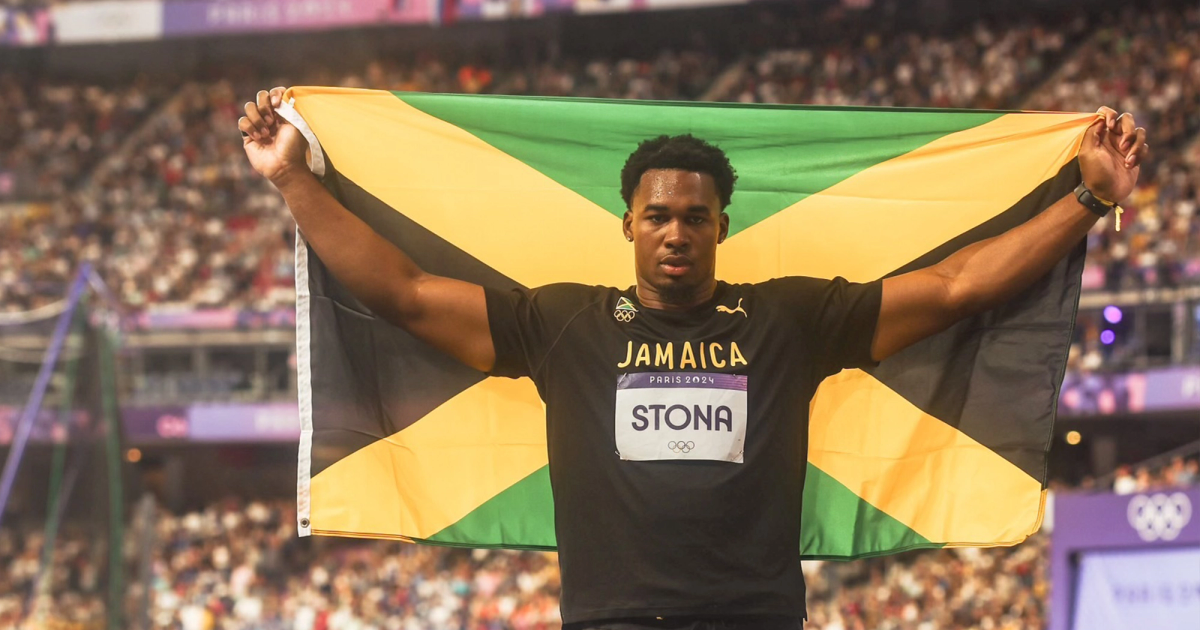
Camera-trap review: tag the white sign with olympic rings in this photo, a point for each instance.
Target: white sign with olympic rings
(1159, 516)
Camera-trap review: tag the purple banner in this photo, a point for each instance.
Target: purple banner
(277, 422)
(1091, 523)
(45, 428)
(266, 422)
(1094, 394)
(196, 17)
(506, 9)
(1174, 388)
(502, 9)
(155, 423)
(214, 319)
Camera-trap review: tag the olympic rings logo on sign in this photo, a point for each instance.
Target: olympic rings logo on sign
(681, 446)
(1159, 517)
(624, 316)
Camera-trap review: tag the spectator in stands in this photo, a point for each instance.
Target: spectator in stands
(1181, 473)
(1124, 482)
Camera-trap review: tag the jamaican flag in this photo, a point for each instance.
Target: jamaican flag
(942, 444)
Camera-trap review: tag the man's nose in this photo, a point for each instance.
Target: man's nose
(676, 235)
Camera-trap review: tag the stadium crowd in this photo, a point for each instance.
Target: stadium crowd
(240, 566)
(175, 218)
(54, 133)
(982, 67)
(1148, 64)
(1179, 473)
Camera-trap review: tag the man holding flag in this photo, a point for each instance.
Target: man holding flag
(672, 405)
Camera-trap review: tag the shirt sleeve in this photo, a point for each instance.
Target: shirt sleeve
(525, 324)
(837, 319)
(515, 325)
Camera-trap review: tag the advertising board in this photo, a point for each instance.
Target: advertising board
(1126, 561)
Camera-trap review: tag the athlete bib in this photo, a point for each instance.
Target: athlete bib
(681, 415)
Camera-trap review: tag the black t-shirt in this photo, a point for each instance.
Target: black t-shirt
(678, 440)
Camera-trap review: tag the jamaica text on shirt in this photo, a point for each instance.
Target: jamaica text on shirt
(664, 355)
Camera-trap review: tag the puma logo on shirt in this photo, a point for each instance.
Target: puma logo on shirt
(731, 311)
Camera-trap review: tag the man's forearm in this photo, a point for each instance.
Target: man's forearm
(923, 302)
(373, 269)
(987, 273)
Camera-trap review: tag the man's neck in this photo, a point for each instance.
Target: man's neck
(653, 298)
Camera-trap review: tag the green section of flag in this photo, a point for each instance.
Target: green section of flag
(836, 523)
(524, 511)
(583, 144)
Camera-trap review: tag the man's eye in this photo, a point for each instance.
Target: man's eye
(657, 218)
(696, 220)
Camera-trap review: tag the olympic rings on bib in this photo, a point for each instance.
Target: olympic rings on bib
(681, 446)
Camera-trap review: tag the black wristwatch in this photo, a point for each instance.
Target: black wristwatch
(1092, 202)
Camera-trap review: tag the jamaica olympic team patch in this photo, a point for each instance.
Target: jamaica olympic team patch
(625, 311)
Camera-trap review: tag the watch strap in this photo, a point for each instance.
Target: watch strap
(1090, 201)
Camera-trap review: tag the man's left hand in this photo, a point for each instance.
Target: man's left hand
(1110, 158)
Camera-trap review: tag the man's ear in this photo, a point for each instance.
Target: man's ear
(723, 232)
(627, 225)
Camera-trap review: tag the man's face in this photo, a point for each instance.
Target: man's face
(675, 221)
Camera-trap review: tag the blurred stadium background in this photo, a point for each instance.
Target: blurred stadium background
(157, 489)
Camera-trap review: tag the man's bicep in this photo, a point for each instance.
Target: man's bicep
(452, 316)
(914, 306)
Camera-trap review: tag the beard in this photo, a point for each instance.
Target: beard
(679, 293)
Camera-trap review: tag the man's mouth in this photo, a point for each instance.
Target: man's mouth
(676, 265)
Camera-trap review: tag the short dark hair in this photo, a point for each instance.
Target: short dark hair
(685, 152)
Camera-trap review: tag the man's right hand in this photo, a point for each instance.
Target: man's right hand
(449, 314)
(274, 147)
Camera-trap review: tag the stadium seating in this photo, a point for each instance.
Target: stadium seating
(176, 218)
(238, 565)
(1156, 75)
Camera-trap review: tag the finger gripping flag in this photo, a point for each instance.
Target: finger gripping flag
(943, 444)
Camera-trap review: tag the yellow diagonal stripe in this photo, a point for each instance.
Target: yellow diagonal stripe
(428, 476)
(886, 216)
(921, 471)
(444, 178)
